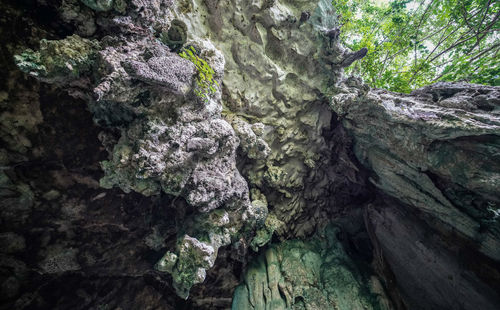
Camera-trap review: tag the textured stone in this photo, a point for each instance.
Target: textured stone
(432, 273)
(278, 70)
(169, 72)
(431, 153)
(12, 243)
(59, 61)
(172, 180)
(435, 151)
(250, 136)
(49, 143)
(312, 274)
(171, 141)
(99, 5)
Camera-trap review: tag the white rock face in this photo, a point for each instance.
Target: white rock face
(279, 67)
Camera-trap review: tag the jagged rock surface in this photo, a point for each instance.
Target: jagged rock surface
(163, 139)
(72, 237)
(435, 151)
(65, 242)
(170, 141)
(278, 70)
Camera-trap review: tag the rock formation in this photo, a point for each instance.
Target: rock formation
(436, 152)
(312, 274)
(132, 171)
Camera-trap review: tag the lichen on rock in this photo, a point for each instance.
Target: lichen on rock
(59, 60)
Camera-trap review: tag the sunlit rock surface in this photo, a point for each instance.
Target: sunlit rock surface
(280, 66)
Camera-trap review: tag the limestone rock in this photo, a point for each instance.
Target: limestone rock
(431, 273)
(250, 138)
(312, 274)
(12, 243)
(277, 73)
(431, 154)
(175, 170)
(171, 141)
(169, 72)
(272, 67)
(99, 5)
(59, 61)
(435, 151)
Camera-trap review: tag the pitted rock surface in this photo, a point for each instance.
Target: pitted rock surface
(279, 72)
(171, 141)
(155, 195)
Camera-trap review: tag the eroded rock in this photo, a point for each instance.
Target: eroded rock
(434, 271)
(277, 64)
(311, 274)
(171, 140)
(435, 151)
(278, 71)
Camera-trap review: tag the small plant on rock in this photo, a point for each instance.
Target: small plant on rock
(206, 84)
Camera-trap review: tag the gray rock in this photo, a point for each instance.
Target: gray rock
(435, 151)
(11, 243)
(171, 140)
(429, 271)
(175, 74)
(276, 72)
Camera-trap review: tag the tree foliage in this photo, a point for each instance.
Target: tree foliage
(415, 43)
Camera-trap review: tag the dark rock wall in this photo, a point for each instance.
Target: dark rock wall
(410, 181)
(66, 242)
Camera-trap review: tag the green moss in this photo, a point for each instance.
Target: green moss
(206, 84)
(29, 62)
(59, 59)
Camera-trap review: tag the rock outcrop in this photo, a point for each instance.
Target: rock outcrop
(171, 140)
(155, 149)
(280, 63)
(436, 152)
